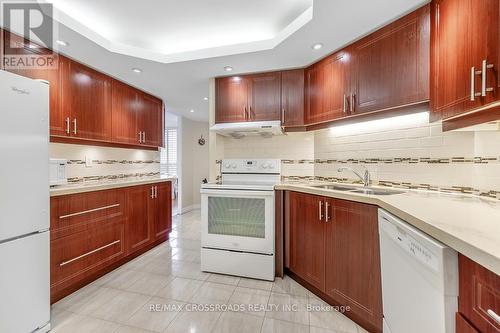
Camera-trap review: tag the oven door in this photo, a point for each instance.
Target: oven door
(240, 220)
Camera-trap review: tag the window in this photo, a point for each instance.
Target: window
(168, 155)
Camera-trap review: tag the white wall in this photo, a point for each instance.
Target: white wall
(193, 158)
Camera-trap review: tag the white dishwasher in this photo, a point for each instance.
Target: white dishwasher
(419, 279)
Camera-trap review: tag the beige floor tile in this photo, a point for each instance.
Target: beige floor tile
(156, 314)
(100, 298)
(230, 322)
(279, 326)
(224, 279)
(255, 284)
(157, 265)
(255, 300)
(326, 317)
(188, 270)
(322, 330)
(362, 330)
(212, 293)
(121, 308)
(188, 244)
(129, 329)
(62, 321)
(187, 255)
(289, 308)
(196, 322)
(180, 289)
(122, 279)
(79, 297)
(288, 286)
(150, 284)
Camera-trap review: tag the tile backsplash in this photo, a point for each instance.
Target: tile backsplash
(106, 163)
(405, 151)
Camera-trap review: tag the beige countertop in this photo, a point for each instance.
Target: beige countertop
(106, 185)
(468, 224)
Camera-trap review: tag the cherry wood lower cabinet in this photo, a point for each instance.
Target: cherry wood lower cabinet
(94, 232)
(479, 298)
(332, 247)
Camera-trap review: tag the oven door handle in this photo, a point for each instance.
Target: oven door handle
(236, 193)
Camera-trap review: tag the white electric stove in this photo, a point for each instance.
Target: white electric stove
(238, 219)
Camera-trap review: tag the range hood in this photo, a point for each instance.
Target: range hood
(254, 128)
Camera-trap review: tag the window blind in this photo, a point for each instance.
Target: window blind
(168, 155)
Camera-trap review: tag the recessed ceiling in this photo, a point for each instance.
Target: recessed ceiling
(171, 30)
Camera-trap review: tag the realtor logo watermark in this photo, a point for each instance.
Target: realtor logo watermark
(30, 43)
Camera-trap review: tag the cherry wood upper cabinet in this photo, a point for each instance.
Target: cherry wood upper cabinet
(58, 125)
(264, 96)
(391, 66)
(327, 86)
(352, 275)
(124, 114)
(292, 98)
(306, 234)
(150, 119)
(465, 61)
(86, 96)
(231, 99)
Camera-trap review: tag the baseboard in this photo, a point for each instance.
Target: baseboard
(189, 208)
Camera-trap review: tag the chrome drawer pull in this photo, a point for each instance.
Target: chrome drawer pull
(88, 211)
(493, 316)
(320, 210)
(89, 253)
(327, 217)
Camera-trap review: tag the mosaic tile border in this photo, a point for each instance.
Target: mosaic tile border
(403, 185)
(110, 162)
(75, 180)
(400, 160)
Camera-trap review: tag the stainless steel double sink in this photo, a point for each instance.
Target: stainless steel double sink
(357, 189)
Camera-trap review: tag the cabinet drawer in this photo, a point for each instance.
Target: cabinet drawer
(77, 256)
(77, 212)
(479, 300)
(463, 326)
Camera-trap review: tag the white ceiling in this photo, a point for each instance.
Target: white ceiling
(183, 85)
(172, 30)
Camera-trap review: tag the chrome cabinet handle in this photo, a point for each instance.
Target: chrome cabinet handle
(67, 126)
(89, 253)
(152, 192)
(88, 211)
(345, 104)
(140, 137)
(156, 191)
(143, 137)
(492, 314)
(351, 105)
(484, 69)
(327, 217)
(472, 88)
(320, 210)
(245, 111)
(283, 115)
(74, 126)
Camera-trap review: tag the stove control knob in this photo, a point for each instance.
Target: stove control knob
(270, 166)
(227, 165)
(233, 165)
(264, 166)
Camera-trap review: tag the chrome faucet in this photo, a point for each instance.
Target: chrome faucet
(366, 179)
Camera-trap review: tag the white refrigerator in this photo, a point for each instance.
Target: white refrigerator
(24, 205)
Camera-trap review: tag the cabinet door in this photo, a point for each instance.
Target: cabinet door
(451, 62)
(86, 95)
(292, 98)
(479, 291)
(139, 231)
(231, 99)
(58, 125)
(391, 66)
(327, 89)
(264, 96)
(353, 260)
(307, 244)
(124, 113)
(149, 119)
(163, 221)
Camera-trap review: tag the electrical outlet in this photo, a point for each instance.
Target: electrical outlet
(88, 162)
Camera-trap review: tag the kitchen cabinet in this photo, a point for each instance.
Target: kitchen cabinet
(327, 89)
(306, 235)
(390, 67)
(94, 232)
(264, 96)
(86, 101)
(231, 99)
(292, 98)
(462, 325)
(464, 66)
(332, 245)
(51, 75)
(479, 297)
(150, 119)
(352, 274)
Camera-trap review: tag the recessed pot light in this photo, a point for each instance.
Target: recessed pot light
(62, 43)
(228, 68)
(137, 70)
(205, 98)
(317, 46)
(192, 111)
